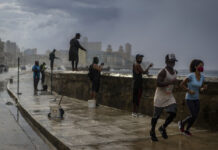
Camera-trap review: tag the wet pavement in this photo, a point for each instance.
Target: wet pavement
(104, 127)
(16, 134)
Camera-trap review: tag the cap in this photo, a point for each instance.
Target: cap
(138, 56)
(170, 57)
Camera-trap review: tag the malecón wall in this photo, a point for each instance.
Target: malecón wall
(116, 91)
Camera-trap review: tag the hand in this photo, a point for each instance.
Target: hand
(203, 88)
(191, 92)
(151, 65)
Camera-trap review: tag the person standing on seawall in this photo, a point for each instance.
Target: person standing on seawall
(192, 84)
(74, 50)
(137, 83)
(52, 57)
(164, 99)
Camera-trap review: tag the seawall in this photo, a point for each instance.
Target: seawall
(116, 91)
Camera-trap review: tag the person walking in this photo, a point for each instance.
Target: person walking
(94, 75)
(42, 70)
(137, 83)
(192, 84)
(74, 50)
(36, 76)
(164, 99)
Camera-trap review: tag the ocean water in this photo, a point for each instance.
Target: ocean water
(207, 73)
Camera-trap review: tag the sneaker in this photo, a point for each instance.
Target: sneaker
(140, 115)
(134, 114)
(188, 133)
(181, 128)
(153, 136)
(163, 132)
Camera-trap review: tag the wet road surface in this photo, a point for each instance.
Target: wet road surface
(105, 128)
(15, 132)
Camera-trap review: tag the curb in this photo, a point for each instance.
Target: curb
(51, 138)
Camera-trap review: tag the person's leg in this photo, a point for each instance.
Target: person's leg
(171, 110)
(188, 118)
(37, 82)
(77, 61)
(34, 84)
(43, 78)
(139, 98)
(52, 65)
(73, 65)
(156, 115)
(135, 98)
(194, 109)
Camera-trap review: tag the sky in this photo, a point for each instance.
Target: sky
(188, 28)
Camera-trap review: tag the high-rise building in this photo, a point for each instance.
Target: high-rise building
(2, 55)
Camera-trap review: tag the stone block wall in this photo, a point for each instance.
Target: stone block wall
(116, 91)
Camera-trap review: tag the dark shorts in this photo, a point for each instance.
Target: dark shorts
(95, 86)
(169, 109)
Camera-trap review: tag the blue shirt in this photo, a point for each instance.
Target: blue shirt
(194, 85)
(36, 72)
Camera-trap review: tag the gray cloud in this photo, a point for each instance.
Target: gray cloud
(188, 28)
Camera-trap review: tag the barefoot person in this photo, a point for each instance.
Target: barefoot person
(137, 85)
(164, 99)
(192, 84)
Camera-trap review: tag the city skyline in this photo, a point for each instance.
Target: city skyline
(154, 28)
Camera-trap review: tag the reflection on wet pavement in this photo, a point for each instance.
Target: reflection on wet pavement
(16, 134)
(105, 127)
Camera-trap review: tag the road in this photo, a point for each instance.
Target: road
(16, 133)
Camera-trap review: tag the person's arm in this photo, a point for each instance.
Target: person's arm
(184, 85)
(80, 46)
(203, 87)
(160, 79)
(146, 70)
(96, 67)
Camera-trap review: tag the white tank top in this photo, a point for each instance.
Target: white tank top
(164, 95)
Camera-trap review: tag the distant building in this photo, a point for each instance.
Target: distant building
(12, 52)
(30, 52)
(2, 55)
(29, 56)
(91, 45)
(118, 59)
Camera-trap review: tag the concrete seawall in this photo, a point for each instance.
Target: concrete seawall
(116, 91)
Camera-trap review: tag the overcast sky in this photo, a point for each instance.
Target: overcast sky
(188, 28)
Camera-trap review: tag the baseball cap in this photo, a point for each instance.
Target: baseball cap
(170, 57)
(138, 56)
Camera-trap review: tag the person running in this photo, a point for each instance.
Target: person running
(164, 99)
(74, 50)
(94, 75)
(42, 70)
(36, 76)
(192, 84)
(137, 83)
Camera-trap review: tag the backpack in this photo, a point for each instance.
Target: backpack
(90, 73)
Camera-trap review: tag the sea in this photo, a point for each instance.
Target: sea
(182, 72)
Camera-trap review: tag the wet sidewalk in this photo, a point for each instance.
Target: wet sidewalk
(104, 127)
